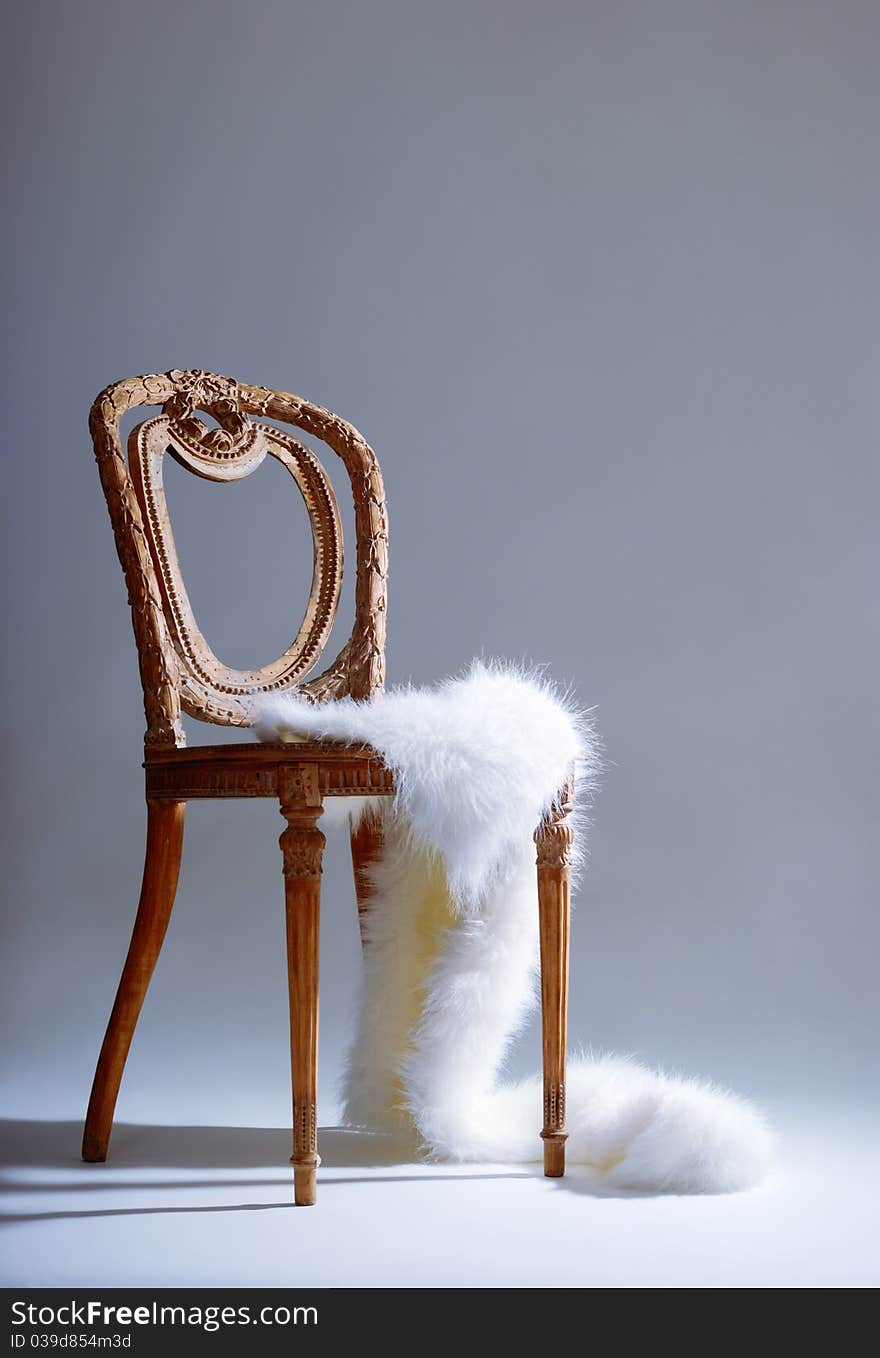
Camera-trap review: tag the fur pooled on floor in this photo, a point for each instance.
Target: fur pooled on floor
(450, 966)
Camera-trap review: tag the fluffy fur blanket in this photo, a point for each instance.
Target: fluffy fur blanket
(450, 966)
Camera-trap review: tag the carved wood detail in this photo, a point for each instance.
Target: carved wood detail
(223, 771)
(299, 786)
(211, 690)
(554, 835)
(302, 846)
(359, 669)
(302, 843)
(224, 453)
(192, 783)
(157, 658)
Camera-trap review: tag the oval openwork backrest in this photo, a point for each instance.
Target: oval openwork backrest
(179, 671)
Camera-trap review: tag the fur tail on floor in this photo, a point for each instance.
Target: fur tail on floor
(637, 1128)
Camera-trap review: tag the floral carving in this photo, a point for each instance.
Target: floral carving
(299, 786)
(197, 390)
(302, 846)
(554, 836)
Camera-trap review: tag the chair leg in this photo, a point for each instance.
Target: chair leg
(553, 838)
(366, 849)
(302, 845)
(161, 869)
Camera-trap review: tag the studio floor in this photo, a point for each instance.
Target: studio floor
(211, 1206)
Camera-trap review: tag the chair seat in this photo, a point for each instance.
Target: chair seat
(251, 770)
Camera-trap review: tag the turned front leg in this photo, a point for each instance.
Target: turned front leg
(302, 845)
(553, 838)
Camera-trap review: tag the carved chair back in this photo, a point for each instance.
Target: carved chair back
(179, 671)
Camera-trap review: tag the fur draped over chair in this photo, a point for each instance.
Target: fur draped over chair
(451, 944)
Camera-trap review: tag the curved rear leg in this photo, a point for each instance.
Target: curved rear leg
(366, 849)
(161, 868)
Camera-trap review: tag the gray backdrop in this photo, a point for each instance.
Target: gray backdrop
(598, 281)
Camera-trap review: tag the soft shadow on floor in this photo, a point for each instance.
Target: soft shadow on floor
(55, 1145)
(37, 1145)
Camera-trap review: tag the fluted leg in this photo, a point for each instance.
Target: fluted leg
(553, 838)
(366, 849)
(302, 845)
(161, 869)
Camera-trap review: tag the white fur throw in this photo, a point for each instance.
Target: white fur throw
(450, 962)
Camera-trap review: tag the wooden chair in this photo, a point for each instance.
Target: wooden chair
(180, 673)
